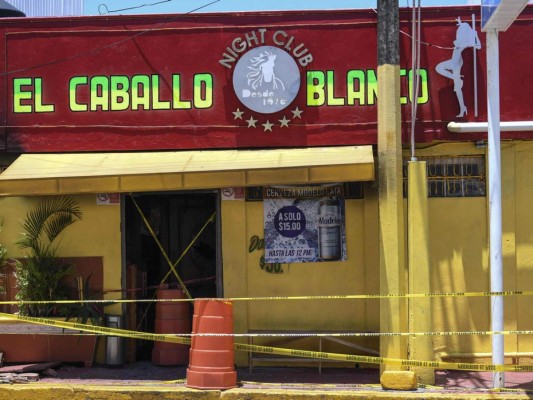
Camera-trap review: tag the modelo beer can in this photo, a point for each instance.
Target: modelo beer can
(329, 230)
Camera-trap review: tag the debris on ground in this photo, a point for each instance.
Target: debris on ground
(9, 377)
(35, 367)
(26, 373)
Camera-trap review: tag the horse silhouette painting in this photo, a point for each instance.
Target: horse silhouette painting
(451, 69)
(262, 71)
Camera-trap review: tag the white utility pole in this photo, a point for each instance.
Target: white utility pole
(495, 203)
(496, 16)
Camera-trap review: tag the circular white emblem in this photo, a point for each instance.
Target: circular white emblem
(266, 79)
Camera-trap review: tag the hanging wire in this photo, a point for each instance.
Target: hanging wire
(107, 11)
(422, 42)
(413, 64)
(427, 43)
(98, 49)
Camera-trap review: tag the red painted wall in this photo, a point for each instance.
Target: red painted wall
(50, 52)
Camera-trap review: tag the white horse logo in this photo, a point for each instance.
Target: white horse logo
(262, 70)
(266, 79)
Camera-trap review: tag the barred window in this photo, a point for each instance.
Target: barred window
(461, 176)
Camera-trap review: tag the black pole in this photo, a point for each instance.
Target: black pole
(388, 32)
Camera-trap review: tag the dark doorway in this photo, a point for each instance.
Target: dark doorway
(185, 225)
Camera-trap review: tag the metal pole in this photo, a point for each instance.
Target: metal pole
(475, 67)
(414, 77)
(495, 203)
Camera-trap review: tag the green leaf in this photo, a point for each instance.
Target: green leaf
(41, 276)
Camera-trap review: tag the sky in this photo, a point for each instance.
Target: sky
(101, 7)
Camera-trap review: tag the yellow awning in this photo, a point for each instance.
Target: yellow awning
(69, 173)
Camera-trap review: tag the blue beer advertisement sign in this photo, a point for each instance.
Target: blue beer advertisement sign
(304, 223)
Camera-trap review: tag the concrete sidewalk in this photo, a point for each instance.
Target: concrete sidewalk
(146, 381)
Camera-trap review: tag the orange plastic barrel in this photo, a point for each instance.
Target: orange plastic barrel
(212, 360)
(171, 317)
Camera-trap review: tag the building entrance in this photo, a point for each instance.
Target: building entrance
(185, 225)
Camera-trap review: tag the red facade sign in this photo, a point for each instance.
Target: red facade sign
(235, 80)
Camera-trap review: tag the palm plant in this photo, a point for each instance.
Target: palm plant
(41, 277)
(4, 260)
(84, 312)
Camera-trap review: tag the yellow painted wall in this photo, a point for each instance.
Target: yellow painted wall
(458, 261)
(97, 234)
(523, 167)
(322, 278)
(244, 277)
(235, 273)
(459, 236)
(458, 250)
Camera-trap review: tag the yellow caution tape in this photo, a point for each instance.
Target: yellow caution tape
(272, 298)
(378, 386)
(105, 302)
(382, 296)
(101, 330)
(314, 385)
(186, 336)
(366, 334)
(507, 390)
(473, 389)
(191, 244)
(176, 381)
(163, 252)
(381, 360)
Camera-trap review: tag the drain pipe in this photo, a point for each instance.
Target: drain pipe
(473, 127)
